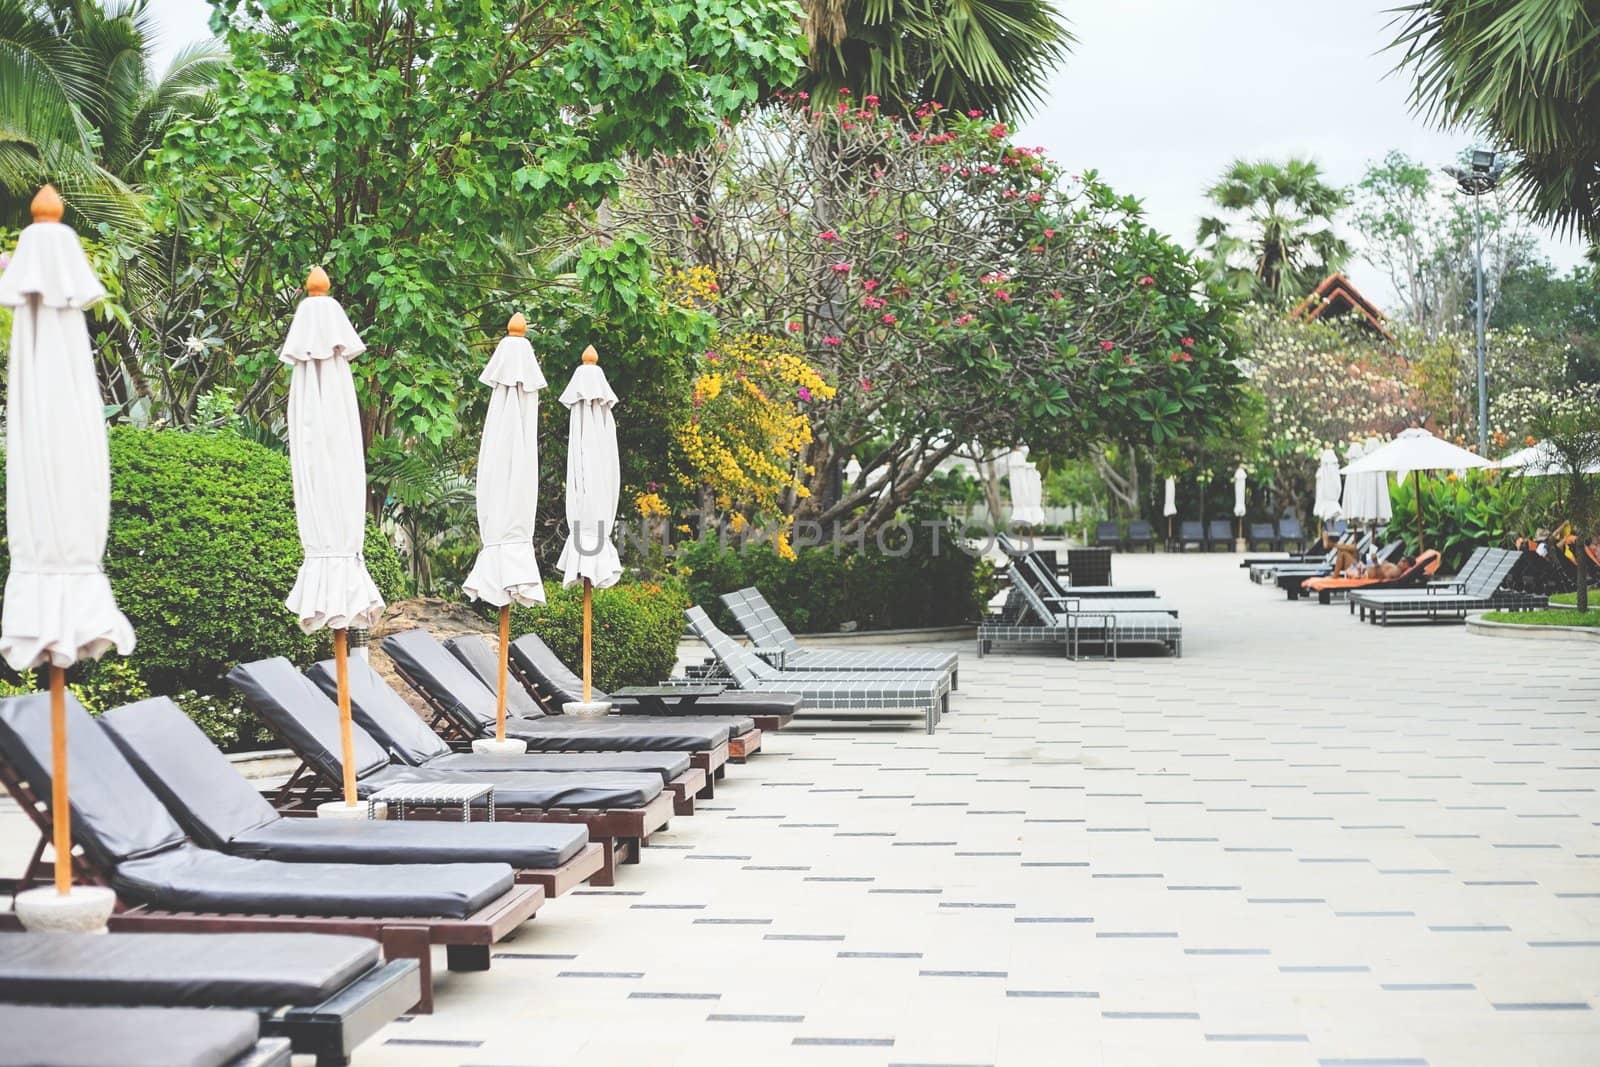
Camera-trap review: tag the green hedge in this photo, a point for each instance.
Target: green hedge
(201, 554)
(636, 630)
(822, 589)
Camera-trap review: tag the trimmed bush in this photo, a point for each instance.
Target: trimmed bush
(636, 630)
(823, 589)
(201, 554)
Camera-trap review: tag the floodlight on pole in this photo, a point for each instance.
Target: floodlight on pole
(1480, 177)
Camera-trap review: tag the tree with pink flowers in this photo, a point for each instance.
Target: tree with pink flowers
(956, 286)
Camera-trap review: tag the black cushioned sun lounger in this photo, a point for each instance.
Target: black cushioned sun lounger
(467, 706)
(891, 695)
(326, 994)
(550, 684)
(166, 882)
(617, 807)
(221, 810)
(774, 643)
(37, 1036)
(385, 715)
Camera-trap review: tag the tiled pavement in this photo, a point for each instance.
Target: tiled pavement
(1307, 842)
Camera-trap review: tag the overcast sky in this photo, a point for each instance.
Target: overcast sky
(1159, 95)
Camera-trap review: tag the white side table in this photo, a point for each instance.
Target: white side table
(463, 793)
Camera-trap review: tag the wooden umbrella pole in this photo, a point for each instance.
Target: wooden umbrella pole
(588, 640)
(1416, 482)
(505, 671)
(347, 741)
(59, 810)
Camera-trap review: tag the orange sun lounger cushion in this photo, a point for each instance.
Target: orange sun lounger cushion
(1427, 563)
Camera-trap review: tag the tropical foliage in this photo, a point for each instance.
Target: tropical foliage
(1459, 512)
(992, 56)
(1527, 74)
(954, 286)
(1274, 236)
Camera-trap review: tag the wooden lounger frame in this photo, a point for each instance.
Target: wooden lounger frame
(620, 832)
(467, 941)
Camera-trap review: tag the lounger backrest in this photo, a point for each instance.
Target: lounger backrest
(553, 678)
(1289, 528)
(745, 666)
(212, 800)
(1140, 530)
(1262, 531)
(1470, 567)
(1106, 531)
(1030, 597)
(1491, 573)
(303, 718)
(1037, 575)
(1221, 530)
(1191, 530)
(1003, 542)
(114, 814)
(442, 680)
(756, 617)
(381, 711)
(474, 652)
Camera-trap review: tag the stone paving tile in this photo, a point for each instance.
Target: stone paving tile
(1308, 842)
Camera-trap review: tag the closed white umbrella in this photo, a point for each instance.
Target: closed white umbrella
(1379, 509)
(1354, 502)
(506, 570)
(594, 482)
(333, 588)
(1415, 450)
(1326, 507)
(1169, 506)
(59, 608)
(1027, 495)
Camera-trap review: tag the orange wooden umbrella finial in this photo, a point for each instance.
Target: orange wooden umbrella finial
(590, 355)
(317, 283)
(48, 205)
(518, 326)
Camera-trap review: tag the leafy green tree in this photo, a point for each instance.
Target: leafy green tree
(1527, 74)
(1274, 238)
(426, 154)
(992, 56)
(82, 106)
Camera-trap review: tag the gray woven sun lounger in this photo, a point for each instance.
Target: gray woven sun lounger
(221, 810)
(1031, 619)
(1047, 587)
(167, 882)
(467, 705)
(773, 642)
(889, 696)
(326, 994)
(384, 714)
(1482, 590)
(554, 685)
(620, 809)
(135, 1037)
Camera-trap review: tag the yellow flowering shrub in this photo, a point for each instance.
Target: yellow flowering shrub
(748, 425)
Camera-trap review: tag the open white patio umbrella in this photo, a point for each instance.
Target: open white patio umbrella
(1027, 495)
(333, 588)
(1538, 461)
(1416, 450)
(506, 570)
(1169, 506)
(59, 608)
(1326, 507)
(594, 482)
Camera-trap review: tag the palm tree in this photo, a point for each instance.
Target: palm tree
(992, 56)
(1277, 239)
(1527, 74)
(81, 106)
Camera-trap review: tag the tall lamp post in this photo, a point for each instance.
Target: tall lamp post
(1480, 177)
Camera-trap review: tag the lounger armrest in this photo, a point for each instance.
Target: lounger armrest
(1070, 605)
(1448, 588)
(691, 681)
(775, 655)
